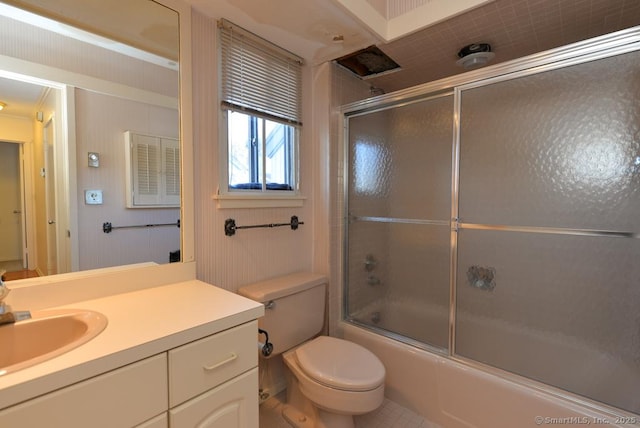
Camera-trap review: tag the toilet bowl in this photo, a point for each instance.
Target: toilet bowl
(339, 379)
(329, 380)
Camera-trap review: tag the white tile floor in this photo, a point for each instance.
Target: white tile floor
(389, 415)
(393, 415)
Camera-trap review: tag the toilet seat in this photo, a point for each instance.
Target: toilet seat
(340, 364)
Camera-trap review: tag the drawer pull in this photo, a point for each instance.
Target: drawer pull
(232, 357)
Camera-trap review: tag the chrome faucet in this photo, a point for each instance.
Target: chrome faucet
(3, 291)
(7, 316)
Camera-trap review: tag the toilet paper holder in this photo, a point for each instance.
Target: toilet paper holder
(267, 347)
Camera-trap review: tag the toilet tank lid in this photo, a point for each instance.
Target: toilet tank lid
(275, 288)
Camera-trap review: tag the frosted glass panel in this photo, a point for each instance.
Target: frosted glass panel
(399, 279)
(400, 176)
(558, 149)
(563, 310)
(400, 161)
(540, 156)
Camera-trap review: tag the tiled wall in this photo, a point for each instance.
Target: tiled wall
(514, 28)
(345, 88)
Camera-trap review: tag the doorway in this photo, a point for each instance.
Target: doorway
(50, 197)
(12, 227)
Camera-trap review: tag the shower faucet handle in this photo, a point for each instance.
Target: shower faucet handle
(370, 263)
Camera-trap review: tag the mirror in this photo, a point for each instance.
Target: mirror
(119, 73)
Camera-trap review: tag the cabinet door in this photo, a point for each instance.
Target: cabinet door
(233, 404)
(121, 398)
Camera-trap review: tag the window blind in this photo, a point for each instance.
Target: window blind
(258, 76)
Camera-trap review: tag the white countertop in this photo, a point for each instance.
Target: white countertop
(141, 323)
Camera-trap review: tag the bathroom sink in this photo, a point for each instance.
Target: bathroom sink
(46, 335)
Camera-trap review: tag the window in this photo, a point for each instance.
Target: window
(261, 153)
(261, 108)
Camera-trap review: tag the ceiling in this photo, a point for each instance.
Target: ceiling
(139, 23)
(20, 97)
(150, 29)
(514, 28)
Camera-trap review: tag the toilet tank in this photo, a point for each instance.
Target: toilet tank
(294, 308)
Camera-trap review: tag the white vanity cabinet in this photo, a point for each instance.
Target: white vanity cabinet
(213, 382)
(197, 367)
(124, 397)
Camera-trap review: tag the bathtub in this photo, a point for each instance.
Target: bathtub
(457, 394)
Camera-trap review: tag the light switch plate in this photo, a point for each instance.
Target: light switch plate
(94, 159)
(93, 197)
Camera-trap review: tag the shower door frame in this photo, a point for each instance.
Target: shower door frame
(432, 95)
(610, 45)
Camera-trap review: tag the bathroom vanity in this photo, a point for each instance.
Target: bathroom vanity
(172, 354)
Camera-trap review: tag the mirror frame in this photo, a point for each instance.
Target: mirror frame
(187, 217)
(187, 205)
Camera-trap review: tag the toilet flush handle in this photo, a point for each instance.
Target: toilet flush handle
(270, 304)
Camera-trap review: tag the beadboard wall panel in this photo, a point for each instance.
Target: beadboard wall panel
(254, 254)
(101, 121)
(397, 8)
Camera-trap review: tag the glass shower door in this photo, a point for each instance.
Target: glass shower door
(547, 273)
(399, 206)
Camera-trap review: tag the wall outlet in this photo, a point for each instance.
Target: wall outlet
(93, 197)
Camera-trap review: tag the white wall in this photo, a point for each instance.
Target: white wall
(101, 121)
(16, 129)
(254, 254)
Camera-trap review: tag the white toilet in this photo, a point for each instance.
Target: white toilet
(331, 379)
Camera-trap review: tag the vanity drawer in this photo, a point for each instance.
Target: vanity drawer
(199, 366)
